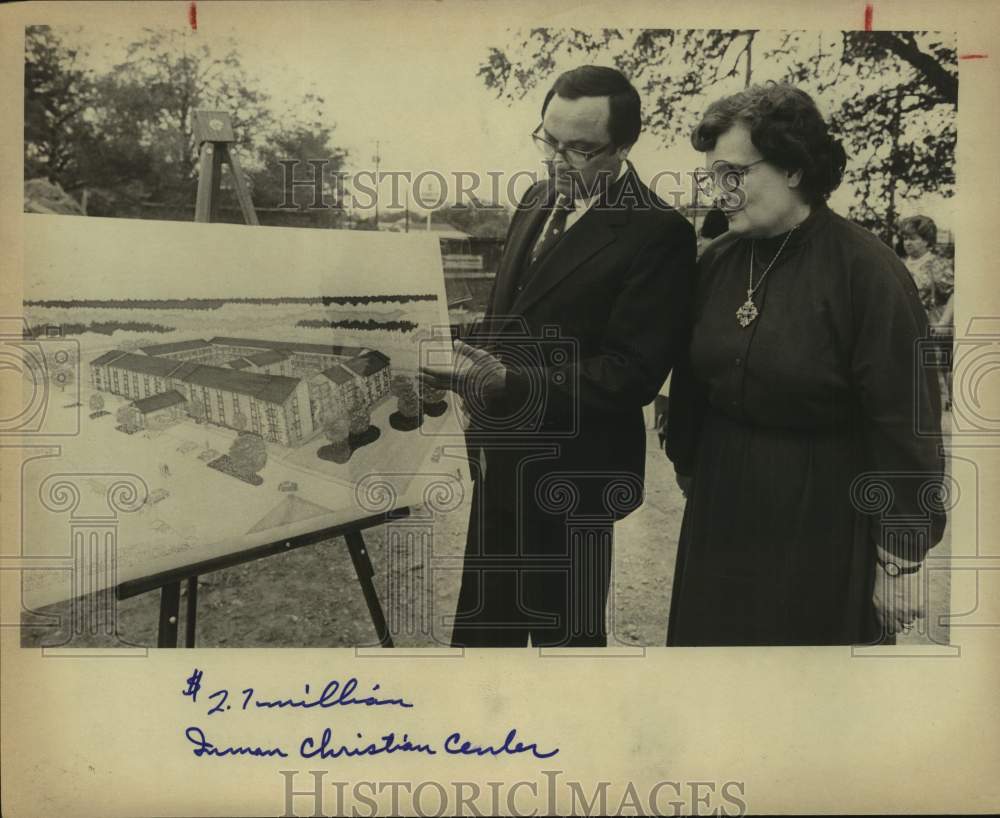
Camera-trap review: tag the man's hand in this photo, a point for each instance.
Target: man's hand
(898, 600)
(475, 375)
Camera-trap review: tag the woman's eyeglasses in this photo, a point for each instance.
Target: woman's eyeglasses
(727, 176)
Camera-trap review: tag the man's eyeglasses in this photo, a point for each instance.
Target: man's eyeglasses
(727, 176)
(574, 156)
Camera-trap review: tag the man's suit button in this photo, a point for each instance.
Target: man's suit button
(519, 287)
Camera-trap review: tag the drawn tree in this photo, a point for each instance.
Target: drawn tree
(96, 402)
(248, 454)
(400, 384)
(432, 401)
(337, 429)
(360, 417)
(408, 403)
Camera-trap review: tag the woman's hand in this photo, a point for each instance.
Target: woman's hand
(898, 600)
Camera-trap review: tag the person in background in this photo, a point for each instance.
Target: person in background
(935, 279)
(796, 402)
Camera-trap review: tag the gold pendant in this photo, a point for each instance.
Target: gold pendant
(747, 313)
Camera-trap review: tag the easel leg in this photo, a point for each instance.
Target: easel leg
(191, 614)
(363, 568)
(170, 603)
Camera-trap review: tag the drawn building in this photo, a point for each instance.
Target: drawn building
(277, 389)
(158, 409)
(372, 372)
(196, 350)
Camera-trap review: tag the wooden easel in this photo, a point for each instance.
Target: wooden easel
(214, 136)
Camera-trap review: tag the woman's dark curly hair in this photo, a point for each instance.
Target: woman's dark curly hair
(786, 127)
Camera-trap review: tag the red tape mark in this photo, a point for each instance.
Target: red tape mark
(973, 56)
(869, 14)
(193, 15)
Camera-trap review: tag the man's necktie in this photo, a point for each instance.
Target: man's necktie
(555, 228)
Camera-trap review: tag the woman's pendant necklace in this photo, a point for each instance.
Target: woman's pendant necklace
(748, 312)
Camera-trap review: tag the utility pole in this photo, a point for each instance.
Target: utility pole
(377, 159)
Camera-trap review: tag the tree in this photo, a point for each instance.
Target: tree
(126, 135)
(248, 453)
(891, 96)
(360, 418)
(479, 219)
(335, 426)
(431, 395)
(400, 384)
(239, 422)
(57, 92)
(337, 429)
(303, 143)
(96, 402)
(408, 403)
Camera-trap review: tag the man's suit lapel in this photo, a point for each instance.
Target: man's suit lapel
(523, 233)
(590, 235)
(587, 237)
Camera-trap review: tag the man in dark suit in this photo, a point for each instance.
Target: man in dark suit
(586, 319)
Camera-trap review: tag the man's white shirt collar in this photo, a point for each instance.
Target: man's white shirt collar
(581, 206)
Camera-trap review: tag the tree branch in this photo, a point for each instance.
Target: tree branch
(906, 48)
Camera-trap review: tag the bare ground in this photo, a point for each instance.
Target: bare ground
(310, 597)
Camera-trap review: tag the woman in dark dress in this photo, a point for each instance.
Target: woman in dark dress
(811, 498)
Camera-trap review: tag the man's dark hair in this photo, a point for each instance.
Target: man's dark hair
(786, 127)
(625, 118)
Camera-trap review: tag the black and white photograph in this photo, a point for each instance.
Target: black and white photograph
(761, 337)
(411, 330)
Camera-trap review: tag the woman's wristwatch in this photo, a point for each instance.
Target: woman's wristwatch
(894, 569)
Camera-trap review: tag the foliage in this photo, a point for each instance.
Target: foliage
(96, 402)
(431, 395)
(355, 323)
(400, 384)
(890, 96)
(248, 453)
(335, 426)
(126, 134)
(57, 91)
(360, 417)
(408, 404)
(479, 219)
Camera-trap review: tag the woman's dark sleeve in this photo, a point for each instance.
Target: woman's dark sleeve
(687, 399)
(686, 407)
(903, 485)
